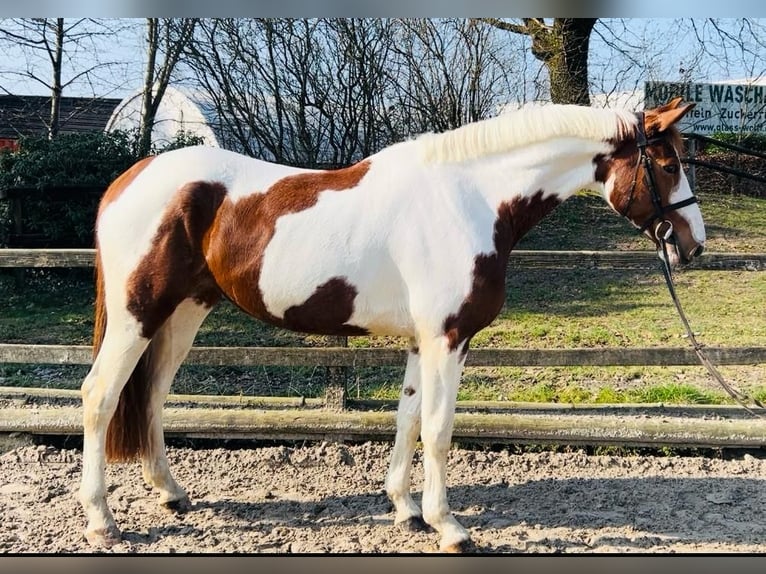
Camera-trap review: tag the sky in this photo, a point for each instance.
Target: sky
(671, 49)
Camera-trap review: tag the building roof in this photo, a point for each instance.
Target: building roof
(181, 109)
(29, 115)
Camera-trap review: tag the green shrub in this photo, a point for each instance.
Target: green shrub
(75, 162)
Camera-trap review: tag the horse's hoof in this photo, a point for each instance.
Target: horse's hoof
(104, 537)
(414, 524)
(462, 547)
(180, 506)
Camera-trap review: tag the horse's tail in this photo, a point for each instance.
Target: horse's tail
(127, 436)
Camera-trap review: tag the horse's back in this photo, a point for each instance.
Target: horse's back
(311, 252)
(152, 181)
(189, 180)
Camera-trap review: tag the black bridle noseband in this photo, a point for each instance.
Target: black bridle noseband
(642, 142)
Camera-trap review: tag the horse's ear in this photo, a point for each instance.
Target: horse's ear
(674, 103)
(660, 119)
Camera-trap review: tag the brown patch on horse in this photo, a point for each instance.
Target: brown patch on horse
(326, 311)
(116, 188)
(408, 391)
(175, 268)
(235, 244)
(514, 219)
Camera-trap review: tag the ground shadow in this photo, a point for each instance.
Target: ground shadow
(694, 510)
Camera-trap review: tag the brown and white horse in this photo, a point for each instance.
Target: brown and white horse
(412, 241)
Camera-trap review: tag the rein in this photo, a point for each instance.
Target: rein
(736, 394)
(659, 211)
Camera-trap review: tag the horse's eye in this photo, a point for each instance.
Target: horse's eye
(670, 168)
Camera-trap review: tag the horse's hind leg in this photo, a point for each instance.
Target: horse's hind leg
(120, 351)
(169, 348)
(408, 515)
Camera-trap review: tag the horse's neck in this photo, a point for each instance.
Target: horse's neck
(556, 168)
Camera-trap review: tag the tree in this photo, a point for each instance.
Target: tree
(319, 92)
(166, 39)
(563, 47)
(306, 92)
(448, 72)
(47, 46)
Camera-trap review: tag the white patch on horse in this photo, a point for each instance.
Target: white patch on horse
(376, 236)
(691, 213)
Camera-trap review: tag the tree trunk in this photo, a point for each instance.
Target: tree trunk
(148, 113)
(57, 89)
(569, 70)
(176, 34)
(563, 48)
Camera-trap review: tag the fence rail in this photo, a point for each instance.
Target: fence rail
(379, 357)
(21, 258)
(57, 412)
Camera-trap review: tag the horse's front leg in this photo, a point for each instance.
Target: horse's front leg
(441, 368)
(408, 515)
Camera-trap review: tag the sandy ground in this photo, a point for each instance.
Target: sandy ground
(328, 498)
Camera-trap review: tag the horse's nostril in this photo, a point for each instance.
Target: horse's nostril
(699, 251)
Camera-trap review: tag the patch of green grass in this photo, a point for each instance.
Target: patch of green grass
(676, 394)
(48, 311)
(609, 395)
(552, 393)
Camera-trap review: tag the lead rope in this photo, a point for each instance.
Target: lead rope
(736, 394)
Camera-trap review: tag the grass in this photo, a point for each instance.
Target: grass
(544, 309)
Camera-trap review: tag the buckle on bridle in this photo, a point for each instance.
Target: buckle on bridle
(668, 234)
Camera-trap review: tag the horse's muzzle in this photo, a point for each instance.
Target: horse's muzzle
(697, 251)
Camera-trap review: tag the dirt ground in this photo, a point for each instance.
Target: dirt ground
(328, 498)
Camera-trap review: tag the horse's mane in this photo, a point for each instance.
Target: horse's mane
(533, 124)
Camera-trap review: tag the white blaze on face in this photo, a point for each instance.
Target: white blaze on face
(691, 213)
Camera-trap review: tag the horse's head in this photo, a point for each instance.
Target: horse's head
(646, 183)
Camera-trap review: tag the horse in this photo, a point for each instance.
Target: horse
(412, 241)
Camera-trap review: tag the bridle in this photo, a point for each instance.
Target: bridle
(659, 211)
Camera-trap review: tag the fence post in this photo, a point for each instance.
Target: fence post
(336, 377)
(692, 174)
(18, 229)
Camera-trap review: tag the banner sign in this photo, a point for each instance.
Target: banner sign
(726, 108)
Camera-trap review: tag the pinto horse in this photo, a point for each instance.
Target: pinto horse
(412, 241)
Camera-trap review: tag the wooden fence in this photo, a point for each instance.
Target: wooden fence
(339, 417)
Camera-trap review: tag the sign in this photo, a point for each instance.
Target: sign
(727, 108)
